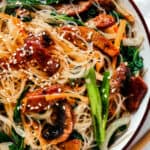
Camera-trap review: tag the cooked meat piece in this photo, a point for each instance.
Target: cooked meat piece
(136, 91)
(73, 9)
(50, 65)
(35, 50)
(105, 3)
(36, 104)
(47, 90)
(118, 78)
(36, 101)
(74, 144)
(102, 21)
(90, 35)
(61, 116)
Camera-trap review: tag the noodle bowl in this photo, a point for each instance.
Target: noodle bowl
(45, 57)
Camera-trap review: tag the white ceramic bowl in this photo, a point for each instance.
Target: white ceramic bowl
(139, 116)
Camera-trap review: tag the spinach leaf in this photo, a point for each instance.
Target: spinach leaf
(4, 137)
(116, 15)
(35, 2)
(18, 142)
(114, 136)
(90, 13)
(17, 116)
(132, 56)
(75, 135)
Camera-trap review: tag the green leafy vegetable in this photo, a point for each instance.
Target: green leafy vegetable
(36, 2)
(96, 105)
(26, 19)
(90, 13)
(18, 142)
(114, 136)
(17, 116)
(116, 15)
(76, 135)
(66, 18)
(131, 55)
(4, 137)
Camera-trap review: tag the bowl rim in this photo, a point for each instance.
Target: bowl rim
(148, 106)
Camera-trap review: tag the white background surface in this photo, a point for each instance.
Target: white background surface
(144, 6)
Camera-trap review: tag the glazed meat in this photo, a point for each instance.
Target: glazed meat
(102, 21)
(136, 91)
(118, 78)
(35, 50)
(90, 35)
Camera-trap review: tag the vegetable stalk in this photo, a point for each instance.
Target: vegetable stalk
(17, 116)
(98, 103)
(104, 91)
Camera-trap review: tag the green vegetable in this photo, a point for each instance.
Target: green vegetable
(36, 2)
(66, 18)
(131, 55)
(99, 103)
(4, 137)
(17, 116)
(18, 142)
(75, 135)
(114, 136)
(115, 125)
(26, 19)
(96, 105)
(90, 13)
(116, 15)
(104, 91)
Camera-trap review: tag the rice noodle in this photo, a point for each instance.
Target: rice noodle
(74, 62)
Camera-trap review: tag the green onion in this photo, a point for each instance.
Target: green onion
(99, 103)
(104, 90)
(17, 116)
(96, 106)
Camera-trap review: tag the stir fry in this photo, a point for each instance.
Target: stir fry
(71, 73)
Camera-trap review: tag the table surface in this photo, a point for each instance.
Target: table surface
(144, 6)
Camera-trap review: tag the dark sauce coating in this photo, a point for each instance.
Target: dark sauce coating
(136, 91)
(50, 132)
(62, 120)
(36, 51)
